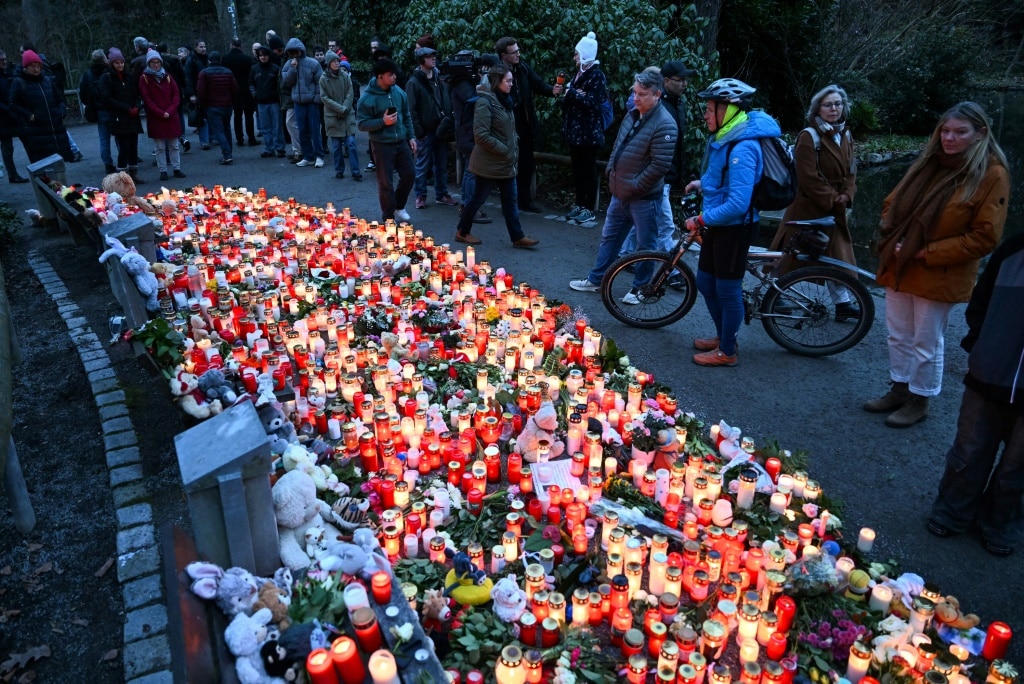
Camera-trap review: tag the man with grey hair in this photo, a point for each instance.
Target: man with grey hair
(641, 157)
(138, 63)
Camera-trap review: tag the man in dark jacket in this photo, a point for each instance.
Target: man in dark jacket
(10, 126)
(244, 106)
(302, 74)
(976, 490)
(265, 89)
(525, 83)
(195, 63)
(636, 170)
(216, 90)
(429, 103)
(462, 89)
(88, 95)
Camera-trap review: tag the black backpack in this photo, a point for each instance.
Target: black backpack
(776, 189)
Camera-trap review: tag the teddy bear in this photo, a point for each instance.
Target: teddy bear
(353, 560)
(297, 509)
(509, 599)
(278, 428)
(285, 655)
(234, 590)
(137, 266)
(947, 611)
(541, 425)
(393, 345)
(185, 386)
(215, 386)
(244, 636)
(275, 599)
(123, 185)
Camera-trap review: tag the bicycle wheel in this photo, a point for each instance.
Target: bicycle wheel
(667, 296)
(798, 313)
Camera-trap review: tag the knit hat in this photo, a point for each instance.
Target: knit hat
(114, 54)
(587, 47)
(153, 54)
(30, 57)
(676, 69)
(275, 42)
(98, 57)
(345, 65)
(330, 57)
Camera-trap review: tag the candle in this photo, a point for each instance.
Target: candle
(383, 669)
(865, 540)
(347, 663)
(860, 660)
(381, 586)
(320, 667)
(367, 630)
(778, 503)
(509, 668)
(776, 646)
(881, 595)
(997, 640)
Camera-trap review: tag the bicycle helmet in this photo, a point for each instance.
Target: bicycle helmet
(729, 90)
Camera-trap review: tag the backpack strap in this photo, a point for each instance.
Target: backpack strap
(815, 136)
(748, 218)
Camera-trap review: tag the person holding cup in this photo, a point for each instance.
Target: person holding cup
(583, 126)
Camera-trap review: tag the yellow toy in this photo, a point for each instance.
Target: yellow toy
(464, 583)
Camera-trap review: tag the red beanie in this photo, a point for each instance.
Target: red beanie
(30, 57)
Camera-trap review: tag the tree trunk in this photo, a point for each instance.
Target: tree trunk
(34, 14)
(262, 15)
(710, 10)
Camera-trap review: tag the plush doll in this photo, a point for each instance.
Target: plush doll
(436, 611)
(297, 509)
(185, 386)
(215, 386)
(465, 583)
(244, 637)
(285, 655)
(234, 590)
(275, 599)
(509, 599)
(541, 425)
(947, 611)
(278, 427)
(123, 185)
(137, 267)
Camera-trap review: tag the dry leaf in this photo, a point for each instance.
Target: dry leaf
(81, 622)
(104, 568)
(6, 570)
(20, 660)
(6, 614)
(56, 630)
(32, 548)
(109, 655)
(29, 676)
(45, 567)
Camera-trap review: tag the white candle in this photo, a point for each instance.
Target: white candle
(778, 503)
(881, 595)
(383, 669)
(411, 546)
(355, 597)
(843, 567)
(866, 540)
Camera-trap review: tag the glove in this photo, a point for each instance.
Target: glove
(694, 224)
(134, 111)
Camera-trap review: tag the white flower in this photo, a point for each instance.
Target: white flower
(404, 633)
(893, 624)
(624, 361)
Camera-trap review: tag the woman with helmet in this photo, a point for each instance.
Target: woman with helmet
(731, 168)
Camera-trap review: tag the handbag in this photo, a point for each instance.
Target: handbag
(194, 115)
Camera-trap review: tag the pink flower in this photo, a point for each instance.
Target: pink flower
(551, 532)
(810, 510)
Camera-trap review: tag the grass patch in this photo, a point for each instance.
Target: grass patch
(897, 144)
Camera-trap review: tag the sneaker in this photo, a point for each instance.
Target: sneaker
(280, 154)
(715, 357)
(77, 157)
(265, 154)
(339, 174)
(163, 175)
(481, 217)
(583, 285)
(421, 202)
(178, 173)
(585, 216)
(227, 161)
(631, 297)
(186, 145)
(402, 215)
(357, 176)
(706, 343)
(448, 201)
(319, 163)
(304, 162)
(939, 530)
(995, 549)
(571, 216)
(677, 282)
(370, 166)
(205, 146)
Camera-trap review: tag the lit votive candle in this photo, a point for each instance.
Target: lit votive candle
(320, 667)
(347, 663)
(383, 669)
(881, 595)
(866, 540)
(381, 586)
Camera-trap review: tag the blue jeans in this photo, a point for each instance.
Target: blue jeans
(307, 118)
(509, 205)
(724, 299)
(219, 119)
(974, 488)
(353, 155)
(103, 131)
(468, 180)
(338, 153)
(270, 126)
(621, 215)
(665, 239)
(431, 152)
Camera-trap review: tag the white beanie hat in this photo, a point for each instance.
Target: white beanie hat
(587, 47)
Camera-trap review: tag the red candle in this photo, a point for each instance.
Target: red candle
(534, 509)
(997, 640)
(347, 663)
(514, 469)
(475, 501)
(320, 667)
(774, 467)
(554, 515)
(559, 552)
(380, 584)
(387, 494)
(776, 646)
(785, 609)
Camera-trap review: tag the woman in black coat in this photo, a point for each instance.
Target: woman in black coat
(119, 96)
(37, 101)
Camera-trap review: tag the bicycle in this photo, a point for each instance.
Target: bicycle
(652, 289)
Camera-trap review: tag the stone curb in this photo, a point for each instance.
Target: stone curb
(146, 649)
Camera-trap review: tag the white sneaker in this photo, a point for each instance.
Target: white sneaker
(631, 298)
(583, 285)
(304, 162)
(402, 215)
(319, 162)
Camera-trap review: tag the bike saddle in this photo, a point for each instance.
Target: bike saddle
(823, 222)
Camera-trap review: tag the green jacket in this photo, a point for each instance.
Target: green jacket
(496, 151)
(336, 93)
(370, 114)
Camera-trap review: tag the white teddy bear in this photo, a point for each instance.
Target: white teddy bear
(541, 425)
(509, 599)
(244, 636)
(297, 508)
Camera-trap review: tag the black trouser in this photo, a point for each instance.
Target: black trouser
(7, 147)
(247, 112)
(127, 150)
(584, 174)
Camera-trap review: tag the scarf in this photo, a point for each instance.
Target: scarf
(504, 99)
(918, 200)
(825, 128)
(158, 75)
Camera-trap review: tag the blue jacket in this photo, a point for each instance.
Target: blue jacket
(728, 193)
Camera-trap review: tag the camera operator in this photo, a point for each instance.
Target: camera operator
(463, 72)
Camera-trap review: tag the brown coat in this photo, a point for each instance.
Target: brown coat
(821, 177)
(966, 232)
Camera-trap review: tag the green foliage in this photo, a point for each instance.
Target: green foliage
(163, 343)
(422, 572)
(863, 117)
(477, 643)
(313, 599)
(9, 224)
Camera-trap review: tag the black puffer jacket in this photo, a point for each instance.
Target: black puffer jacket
(119, 97)
(265, 83)
(428, 102)
(39, 105)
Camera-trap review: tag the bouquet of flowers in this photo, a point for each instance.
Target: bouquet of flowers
(649, 429)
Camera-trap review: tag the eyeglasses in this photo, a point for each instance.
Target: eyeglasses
(832, 105)
(513, 52)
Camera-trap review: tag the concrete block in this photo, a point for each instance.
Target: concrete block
(142, 592)
(120, 440)
(135, 538)
(146, 656)
(136, 514)
(145, 623)
(140, 563)
(125, 475)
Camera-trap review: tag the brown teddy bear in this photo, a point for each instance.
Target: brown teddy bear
(273, 597)
(123, 185)
(947, 612)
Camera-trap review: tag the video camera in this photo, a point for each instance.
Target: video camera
(463, 64)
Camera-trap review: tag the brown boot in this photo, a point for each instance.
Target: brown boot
(895, 398)
(912, 412)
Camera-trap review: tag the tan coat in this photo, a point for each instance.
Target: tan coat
(821, 177)
(966, 232)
